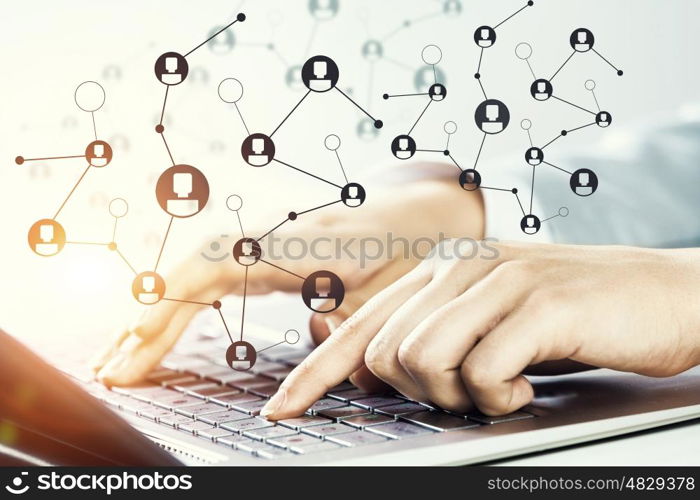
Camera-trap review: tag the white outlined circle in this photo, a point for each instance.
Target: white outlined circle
(332, 142)
(89, 96)
(523, 51)
(230, 90)
(589, 85)
(526, 124)
(291, 337)
(118, 208)
(450, 127)
(563, 212)
(431, 54)
(234, 203)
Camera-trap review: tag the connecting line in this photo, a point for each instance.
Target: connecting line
(213, 36)
(114, 229)
(604, 59)
(71, 192)
(94, 126)
(574, 105)
(483, 91)
(398, 63)
(242, 120)
(162, 135)
(86, 243)
(356, 105)
(288, 114)
(187, 301)
(225, 325)
(389, 96)
(240, 224)
(126, 261)
(597, 105)
(478, 155)
(298, 214)
(52, 158)
(165, 100)
(447, 143)
(167, 232)
(282, 269)
(273, 229)
(455, 162)
(341, 167)
(550, 218)
(562, 66)
(481, 57)
(558, 168)
(245, 293)
(550, 142)
(496, 189)
(521, 205)
(528, 4)
(529, 136)
(532, 71)
(430, 151)
(420, 116)
(581, 127)
(532, 187)
(319, 207)
(271, 346)
(308, 173)
(312, 36)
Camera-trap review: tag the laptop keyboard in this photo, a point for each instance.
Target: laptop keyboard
(197, 395)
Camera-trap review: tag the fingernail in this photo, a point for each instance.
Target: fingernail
(275, 403)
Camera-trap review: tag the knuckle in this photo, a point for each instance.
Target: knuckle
(476, 375)
(415, 358)
(514, 270)
(378, 362)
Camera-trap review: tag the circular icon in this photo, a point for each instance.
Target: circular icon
(541, 89)
(603, 119)
(582, 40)
(234, 203)
(470, 179)
(247, 251)
(323, 292)
(353, 195)
(222, 42)
(98, 153)
(523, 51)
(258, 150)
(366, 129)
(293, 78)
(241, 356)
(372, 50)
(332, 142)
(437, 92)
(584, 182)
(118, 208)
(171, 68)
(426, 76)
(403, 147)
(291, 337)
(46, 237)
(485, 37)
(450, 127)
(323, 9)
(320, 74)
(534, 156)
(589, 85)
(526, 124)
(230, 90)
(182, 191)
(452, 7)
(89, 96)
(563, 212)
(148, 288)
(431, 55)
(492, 116)
(530, 224)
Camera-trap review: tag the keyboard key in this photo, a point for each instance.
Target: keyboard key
(154, 413)
(229, 399)
(140, 389)
(272, 452)
(247, 424)
(357, 438)
(400, 409)
(299, 423)
(325, 404)
(438, 421)
(254, 447)
(222, 417)
(511, 417)
(174, 420)
(228, 375)
(350, 394)
(270, 432)
(197, 383)
(315, 448)
(398, 430)
(251, 407)
(201, 409)
(214, 433)
(161, 376)
(343, 412)
(206, 371)
(278, 374)
(232, 440)
(217, 390)
(296, 440)
(193, 427)
(263, 366)
(322, 431)
(250, 382)
(375, 402)
(134, 405)
(177, 401)
(266, 391)
(149, 397)
(362, 421)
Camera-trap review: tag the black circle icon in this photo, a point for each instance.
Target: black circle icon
(98, 154)
(485, 36)
(241, 356)
(470, 179)
(403, 147)
(320, 74)
(258, 150)
(353, 195)
(323, 292)
(437, 92)
(534, 156)
(584, 182)
(530, 224)
(492, 116)
(541, 89)
(603, 119)
(247, 251)
(582, 40)
(171, 68)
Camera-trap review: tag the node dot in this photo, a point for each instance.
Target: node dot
(271, 46)
(446, 152)
(118, 208)
(240, 17)
(477, 76)
(234, 202)
(526, 124)
(531, 3)
(407, 23)
(564, 133)
(112, 246)
(291, 336)
(514, 190)
(450, 127)
(589, 85)
(620, 72)
(332, 142)
(216, 304)
(564, 212)
(523, 51)
(160, 128)
(19, 160)
(385, 96)
(292, 216)
(378, 124)
(431, 54)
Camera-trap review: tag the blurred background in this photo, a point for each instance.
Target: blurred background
(51, 47)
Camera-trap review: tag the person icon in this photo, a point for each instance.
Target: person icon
(534, 156)
(584, 182)
(437, 92)
(46, 237)
(293, 78)
(452, 7)
(470, 179)
(403, 147)
(353, 195)
(182, 191)
(582, 40)
(541, 89)
(485, 37)
(530, 224)
(258, 150)
(323, 9)
(148, 288)
(603, 119)
(366, 129)
(247, 251)
(171, 68)
(492, 116)
(426, 76)
(322, 292)
(372, 50)
(320, 74)
(98, 154)
(241, 356)
(222, 43)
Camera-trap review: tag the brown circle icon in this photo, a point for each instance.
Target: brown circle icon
(241, 356)
(148, 287)
(46, 237)
(182, 191)
(98, 154)
(247, 251)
